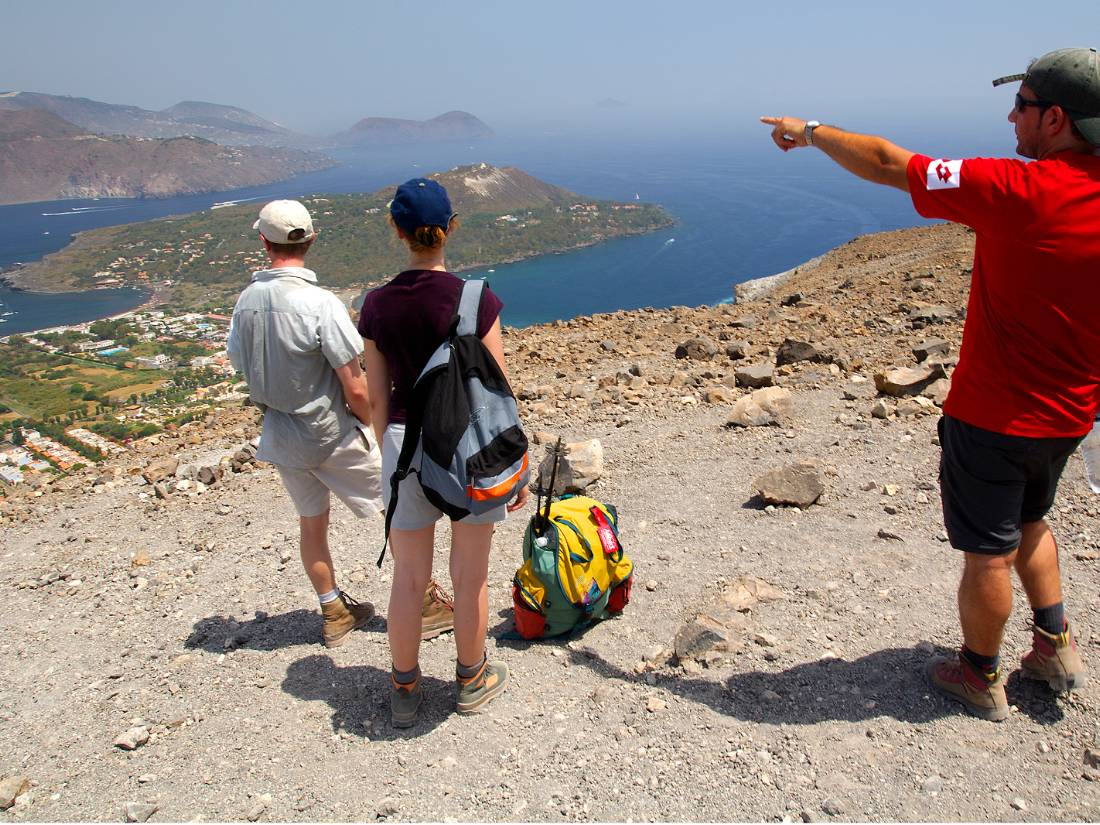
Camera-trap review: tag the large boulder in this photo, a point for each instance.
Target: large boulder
(736, 350)
(755, 376)
(924, 315)
(764, 407)
(580, 465)
(697, 349)
(717, 631)
(908, 380)
(797, 484)
(11, 789)
(791, 352)
(745, 591)
(160, 469)
(931, 348)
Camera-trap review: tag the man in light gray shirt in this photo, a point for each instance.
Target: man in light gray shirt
(299, 352)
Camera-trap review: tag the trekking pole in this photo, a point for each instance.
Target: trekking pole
(557, 451)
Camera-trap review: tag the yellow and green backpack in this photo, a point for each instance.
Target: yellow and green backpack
(575, 570)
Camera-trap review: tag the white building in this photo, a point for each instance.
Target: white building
(11, 475)
(160, 361)
(89, 346)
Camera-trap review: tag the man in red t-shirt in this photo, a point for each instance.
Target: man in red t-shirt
(1027, 385)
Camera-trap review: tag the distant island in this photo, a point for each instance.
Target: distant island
(44, 157)
(201, 261)
(387, 130)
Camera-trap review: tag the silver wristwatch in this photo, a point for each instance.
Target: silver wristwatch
(808, 132)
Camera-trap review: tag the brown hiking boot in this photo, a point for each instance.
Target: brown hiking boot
(438, 612)
(342, 616)
(1054, 660)
(955, 678)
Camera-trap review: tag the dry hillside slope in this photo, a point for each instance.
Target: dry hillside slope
(187, 616)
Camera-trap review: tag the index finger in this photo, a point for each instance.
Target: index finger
(770, 120)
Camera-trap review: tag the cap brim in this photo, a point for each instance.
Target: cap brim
(256, 225)
(1008, 78)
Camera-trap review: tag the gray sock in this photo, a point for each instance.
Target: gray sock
(331, 596)
(465, 672)
(405, 677)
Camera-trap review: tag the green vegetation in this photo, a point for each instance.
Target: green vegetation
(41, 386)
(124, 430)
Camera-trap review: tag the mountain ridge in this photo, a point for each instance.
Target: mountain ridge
(44, 157)
(227, 125)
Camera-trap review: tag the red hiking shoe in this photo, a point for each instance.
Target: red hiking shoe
(1054, 660)
(955, 678)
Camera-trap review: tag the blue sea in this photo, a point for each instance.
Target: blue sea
(741, 213)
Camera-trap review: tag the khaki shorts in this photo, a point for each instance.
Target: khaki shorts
(353, 472)
(414, 511)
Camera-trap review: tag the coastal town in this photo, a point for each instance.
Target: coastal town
(74, 395)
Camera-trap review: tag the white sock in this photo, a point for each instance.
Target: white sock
(331, 596)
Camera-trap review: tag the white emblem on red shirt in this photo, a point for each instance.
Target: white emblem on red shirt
(944, 174)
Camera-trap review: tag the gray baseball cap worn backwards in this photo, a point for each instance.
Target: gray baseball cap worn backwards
(1069, 78)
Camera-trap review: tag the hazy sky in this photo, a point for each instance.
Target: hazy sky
(319, 66)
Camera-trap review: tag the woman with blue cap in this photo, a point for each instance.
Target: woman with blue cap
(402, 323)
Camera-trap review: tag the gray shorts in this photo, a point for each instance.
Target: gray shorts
(353, 472)
(414, 511)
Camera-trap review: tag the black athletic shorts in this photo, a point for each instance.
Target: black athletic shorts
(992, 483)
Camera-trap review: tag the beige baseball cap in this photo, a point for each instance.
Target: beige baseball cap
(285, 222)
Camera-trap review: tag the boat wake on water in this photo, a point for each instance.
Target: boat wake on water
(80, 210)
(223, 204)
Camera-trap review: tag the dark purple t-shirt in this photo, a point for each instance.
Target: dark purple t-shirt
(409, 317)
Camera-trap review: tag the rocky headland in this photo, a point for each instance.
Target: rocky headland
(774, 464)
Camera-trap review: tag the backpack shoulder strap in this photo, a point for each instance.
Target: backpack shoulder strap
(469, 305)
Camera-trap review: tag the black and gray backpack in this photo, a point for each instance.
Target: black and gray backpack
(470, 452)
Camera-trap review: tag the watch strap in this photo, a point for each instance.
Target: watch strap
(808, 131)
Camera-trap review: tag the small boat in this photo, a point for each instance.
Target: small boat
(637, 197)
(491, 271)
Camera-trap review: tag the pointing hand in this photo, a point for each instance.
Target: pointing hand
(788, 132)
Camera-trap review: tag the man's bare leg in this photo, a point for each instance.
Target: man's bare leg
(316, 558)
(985, 600)
(1037, 565)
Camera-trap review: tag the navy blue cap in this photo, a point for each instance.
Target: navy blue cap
(421, 202)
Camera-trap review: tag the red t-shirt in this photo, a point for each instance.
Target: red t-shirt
(409, 317)
(1029, 364)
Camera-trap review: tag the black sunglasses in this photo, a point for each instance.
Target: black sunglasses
(1022, 103)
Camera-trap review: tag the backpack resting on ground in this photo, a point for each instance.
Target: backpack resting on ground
(574, 572)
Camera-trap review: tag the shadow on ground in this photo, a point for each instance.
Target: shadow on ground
(218, 634)
(359, 696)
(887, 682)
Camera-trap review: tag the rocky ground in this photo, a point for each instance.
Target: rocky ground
(160, 653)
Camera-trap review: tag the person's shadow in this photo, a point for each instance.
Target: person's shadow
(359, 696)
(887, 682)
(219, 634)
